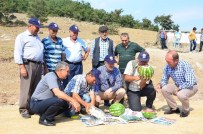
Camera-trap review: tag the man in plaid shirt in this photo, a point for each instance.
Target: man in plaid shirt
(185, 85)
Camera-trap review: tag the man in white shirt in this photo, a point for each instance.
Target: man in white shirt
(139, 87)
(28, 54)
(73, 50)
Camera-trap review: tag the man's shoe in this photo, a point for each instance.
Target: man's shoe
(184, 114)
(46, 122)
(172, 111)
(106, 103)
(25, 114)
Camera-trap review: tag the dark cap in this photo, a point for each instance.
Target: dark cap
(74, 28)
(35, 22)
(143, 56)
(110, 59)
(53, 26)
(103, 29)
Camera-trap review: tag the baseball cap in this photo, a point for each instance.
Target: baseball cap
(110, 59)
(103, 29)
(74, 28)
(53, 26)
(143, 56)
(35, 22)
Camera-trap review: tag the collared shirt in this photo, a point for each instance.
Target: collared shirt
(29, 47)
(127, 54)
(183, 75)
(77, 84)
(52, 51)
(201, 37)
(104, 46)
(110, 79)
(44, 88)
(73, 50)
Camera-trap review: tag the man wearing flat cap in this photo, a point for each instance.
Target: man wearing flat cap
(74, 47)
(28, 54)
(101, 47)
(53, 48)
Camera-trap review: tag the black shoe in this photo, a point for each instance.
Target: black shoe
(184, 114)
(25, 114)
(46, 122)
(106, 103)
(172, 111)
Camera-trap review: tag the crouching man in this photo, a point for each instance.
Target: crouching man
(110, 85)
(80, 88)
(49, 100)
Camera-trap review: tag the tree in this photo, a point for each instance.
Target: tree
(176, 27)
(38, 9)
(146, 23)
(164, 21)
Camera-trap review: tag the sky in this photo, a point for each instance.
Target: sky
(187, 14)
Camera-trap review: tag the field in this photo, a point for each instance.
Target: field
(11, 122)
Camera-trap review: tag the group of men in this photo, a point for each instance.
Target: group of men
(65, 89)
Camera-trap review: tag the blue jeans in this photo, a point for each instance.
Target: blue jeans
(192, 45)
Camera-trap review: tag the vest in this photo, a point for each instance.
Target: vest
(96, 51)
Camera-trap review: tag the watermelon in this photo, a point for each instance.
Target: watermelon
(149, 115)
(116, 109)
(146, 72)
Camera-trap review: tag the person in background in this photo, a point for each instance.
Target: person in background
(53, 48)
(74, 54)
(49, 100)
(201, 40)
(192, 37)
(101, 47)
(28, 54)
(163, 37)
(177, 36)
(139, 87)
(110, 82)
(184, 87)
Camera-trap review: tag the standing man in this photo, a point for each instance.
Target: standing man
(28, 54)
(177, 36)
(192, 37)
(201, 40)
(163, 37)
(73, 51)
(110, 85)
(126, 51)
(53, 48)
(101, 47)
(49, 100)
(139, 87)
(185, 85)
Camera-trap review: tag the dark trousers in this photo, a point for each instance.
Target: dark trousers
(49, 108)
(163, 43)
(75, 69)
(134, 97)
(200, 47)
(192, 45)
(100, 63)
(28, 85)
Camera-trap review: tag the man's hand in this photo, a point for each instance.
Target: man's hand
(158, 88)
(98, 98)
(143, 83)
(87, 107)
(76, 105)
(23, 71)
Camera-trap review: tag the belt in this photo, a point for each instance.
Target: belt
(73, 62)
(26, 61)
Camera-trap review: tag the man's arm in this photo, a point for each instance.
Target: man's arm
(58, 93)
(86, 54)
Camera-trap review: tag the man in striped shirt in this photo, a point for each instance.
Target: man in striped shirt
(53, 48)
(185, 85)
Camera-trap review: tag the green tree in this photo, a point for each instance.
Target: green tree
(38, 9)
(146, 23)
(164, 21)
